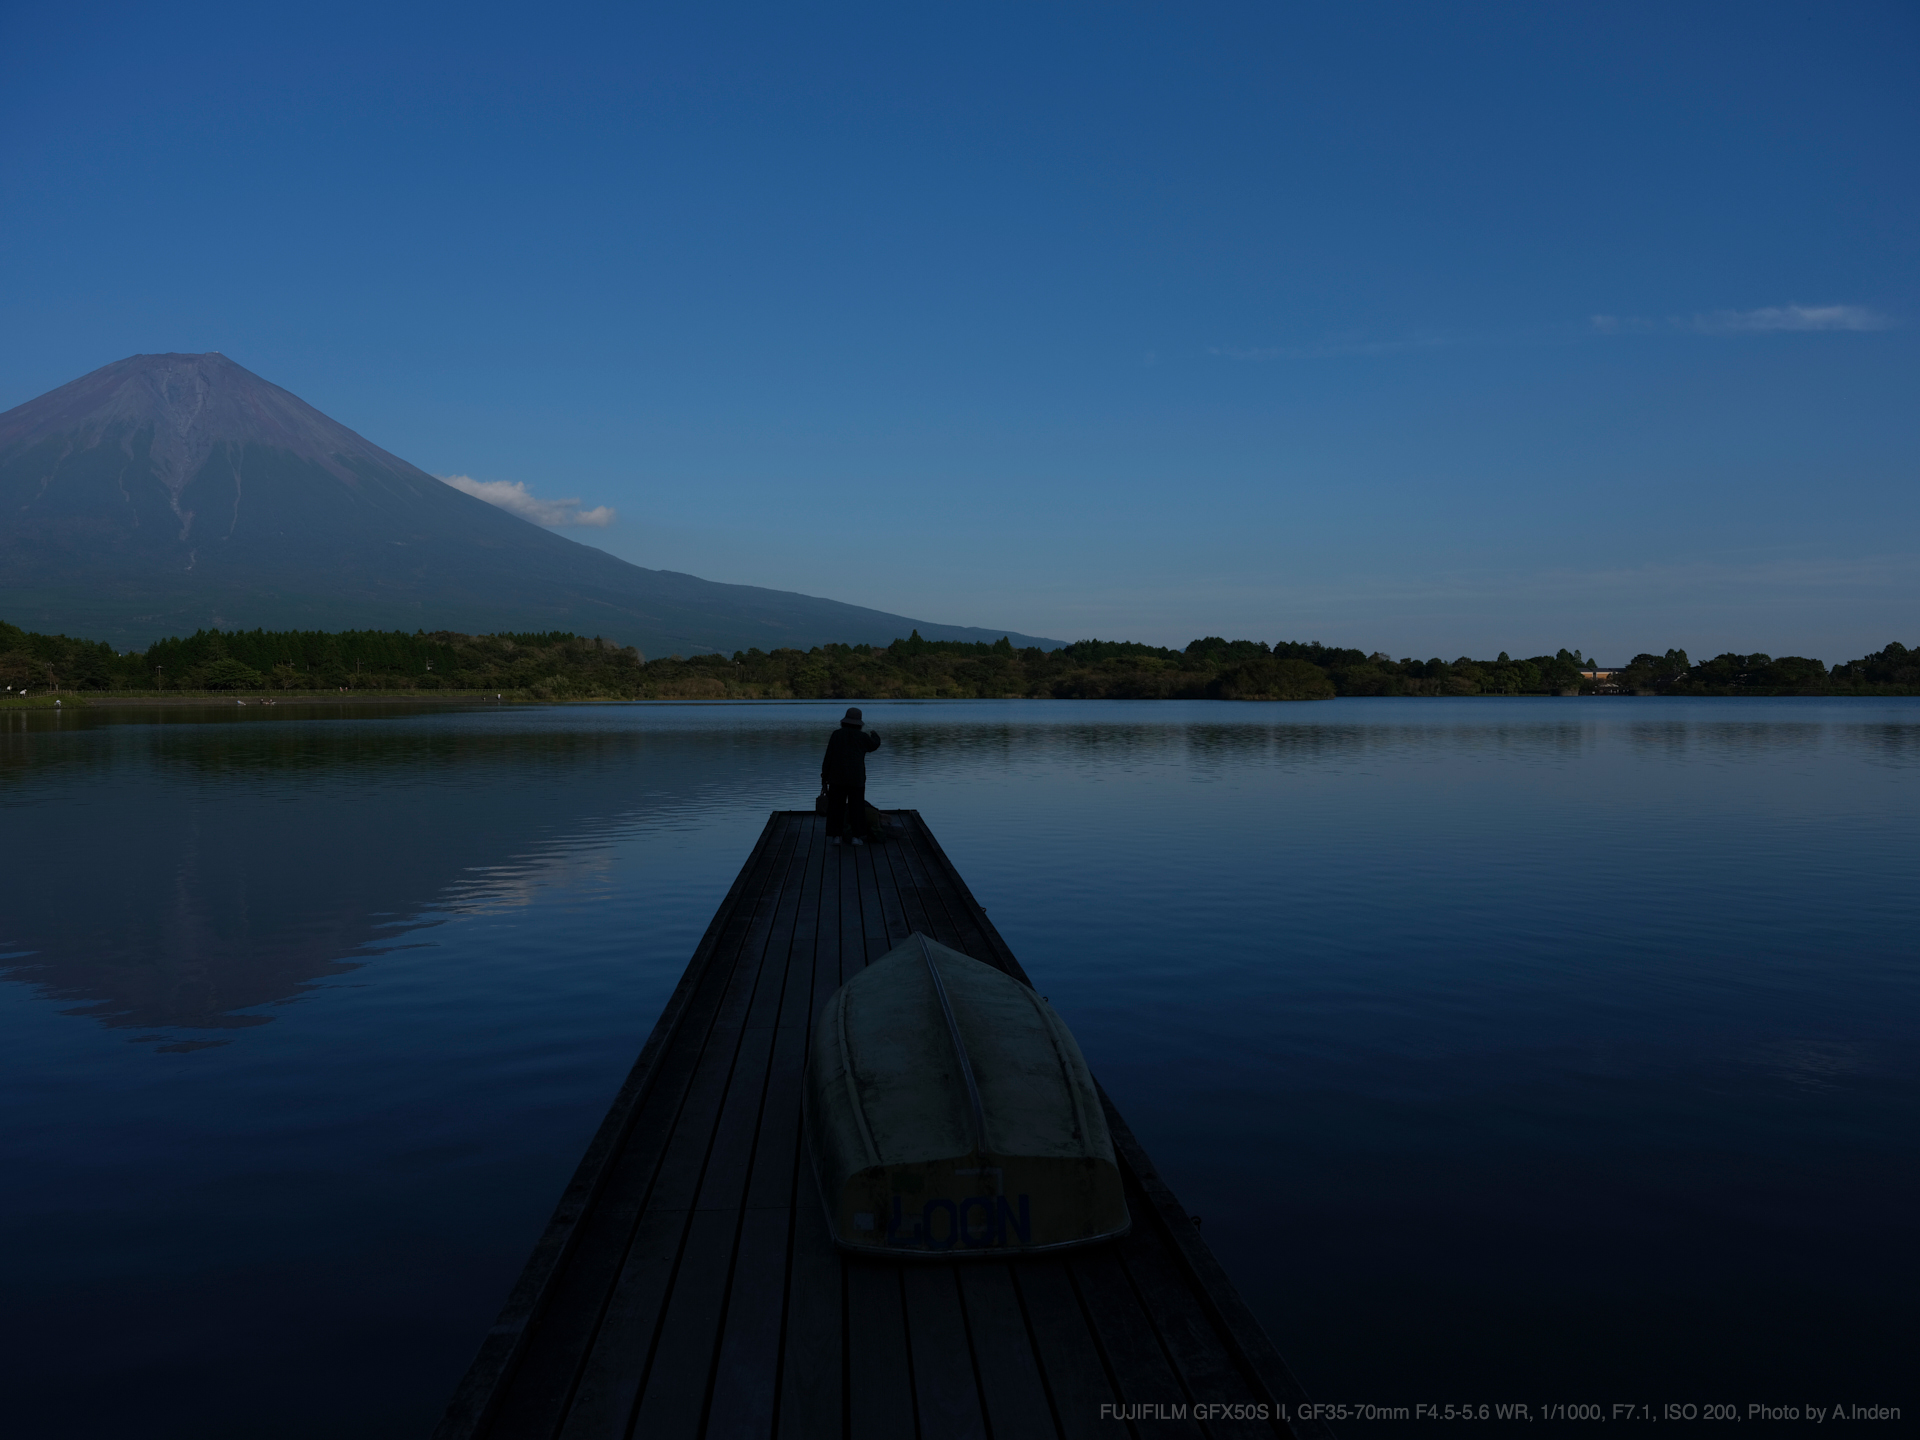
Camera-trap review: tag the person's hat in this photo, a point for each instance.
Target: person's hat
(853, 717)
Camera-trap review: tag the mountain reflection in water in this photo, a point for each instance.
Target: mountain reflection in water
(228, 875)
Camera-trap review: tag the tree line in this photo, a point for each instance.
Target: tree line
(553, 665)
(558, 665)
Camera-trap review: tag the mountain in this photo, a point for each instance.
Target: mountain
(164, 493)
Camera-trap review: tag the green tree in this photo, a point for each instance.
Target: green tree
(1655, 672)
(231, 674)
(1267, 679)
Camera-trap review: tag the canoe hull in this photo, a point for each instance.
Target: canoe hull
(950, 1113)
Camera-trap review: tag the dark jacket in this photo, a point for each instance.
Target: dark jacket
(847, 750)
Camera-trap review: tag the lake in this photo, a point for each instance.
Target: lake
(1551, 1051)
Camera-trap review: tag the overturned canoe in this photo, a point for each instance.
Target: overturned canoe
(950, 1112)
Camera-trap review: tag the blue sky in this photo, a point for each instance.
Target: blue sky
(1438, 329)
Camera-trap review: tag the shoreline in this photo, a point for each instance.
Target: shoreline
(79, 700)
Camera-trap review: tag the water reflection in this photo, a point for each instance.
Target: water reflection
(1885, 744)
(1507, 1047)
(1816, 1065)
(202, 875)
(201, 867)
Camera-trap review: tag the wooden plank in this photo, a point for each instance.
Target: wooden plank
(873, 922)
(602, 1403)
(781, 901)
(1128, 1340)
(796, 1007)
(813, 1376)
(944, 891)
(1004, 1354)
(736, 1130)
(962, 923)
(950, 912)
(477, 1398)
(879, 1373)
(755, 947)
(746, 1387)
(893, 916)
(616, 1351)
(747, 1373)
(934, 908)
(696, 1128)
(1072, 1367)
(853, 936)
(537, 1397)
(998, 951)
(906, 887)
(622, 1333)
(536, 1400)
(1200, 1355)
(946, 1392)
(878, 1355)
(778, 1144)
(674, 1400)
(795, 887)
(813, 1344)
(826, 938)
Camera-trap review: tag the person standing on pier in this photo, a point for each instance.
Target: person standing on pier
(843, 776)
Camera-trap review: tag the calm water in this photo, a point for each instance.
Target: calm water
(1555, 1051)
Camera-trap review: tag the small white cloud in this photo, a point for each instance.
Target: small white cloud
(1791, 317)
(514, 497)
(1768, 319)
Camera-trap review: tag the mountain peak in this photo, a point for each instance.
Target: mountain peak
(190, 403)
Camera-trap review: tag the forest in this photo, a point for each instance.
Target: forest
(562, 666)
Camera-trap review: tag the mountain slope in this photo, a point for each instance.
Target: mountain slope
(164, 493)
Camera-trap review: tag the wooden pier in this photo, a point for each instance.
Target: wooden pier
(687, 1285)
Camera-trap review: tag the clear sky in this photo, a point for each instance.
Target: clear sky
(1437, 329)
